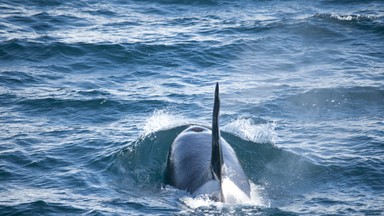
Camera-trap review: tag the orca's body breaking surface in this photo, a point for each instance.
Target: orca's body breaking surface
(200, 161)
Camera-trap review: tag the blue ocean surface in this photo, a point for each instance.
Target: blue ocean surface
(92, 94)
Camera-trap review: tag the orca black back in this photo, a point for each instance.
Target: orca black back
(200, 159)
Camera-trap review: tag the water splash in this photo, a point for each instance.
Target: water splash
(247, 130)
(257, 199)
(197, 202)
(162, 120)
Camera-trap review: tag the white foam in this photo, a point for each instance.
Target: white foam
(234, 196)
(162, 120)
(258, 198)
(352, 17)
(247, 130)
(200, 201)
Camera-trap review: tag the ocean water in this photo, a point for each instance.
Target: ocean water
(92, 93)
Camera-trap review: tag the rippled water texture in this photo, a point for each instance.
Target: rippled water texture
(93, 93)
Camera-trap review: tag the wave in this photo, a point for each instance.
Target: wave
(371, 22)
(15, 79)
(274, 172)
(351, 17)
(247, 130)
(100, 110)
(325, 103)
(91, 57)
(74, 106)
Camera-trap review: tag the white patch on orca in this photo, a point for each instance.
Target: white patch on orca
(210, 188)
(233, 194)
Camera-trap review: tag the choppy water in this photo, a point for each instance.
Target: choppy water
(93, 93)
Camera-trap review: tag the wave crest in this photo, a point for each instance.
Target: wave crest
(247, 130)
(161, 120)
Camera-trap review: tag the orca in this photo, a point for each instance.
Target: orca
(201, 162)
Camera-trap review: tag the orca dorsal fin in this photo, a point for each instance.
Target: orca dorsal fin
(217, 154)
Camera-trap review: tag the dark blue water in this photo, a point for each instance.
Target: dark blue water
(92, 93)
